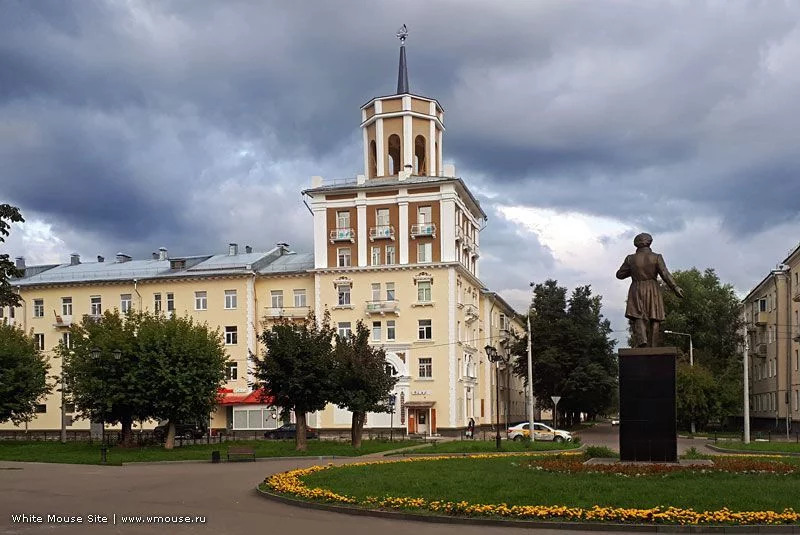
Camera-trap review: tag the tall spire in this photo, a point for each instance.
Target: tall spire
(402, 72)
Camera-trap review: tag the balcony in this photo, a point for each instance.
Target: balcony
(343, 234)
(287, 312)
(382, 307)
(423, 230)
(505, 335)
(459, 234)
(796, 296)
(381, 232)
(470, 313)
(761, 350)
(62, 322)
(760, 318)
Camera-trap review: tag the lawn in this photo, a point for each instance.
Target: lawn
(84, 453)
(484, 446)
(512, 480)
(777, 447)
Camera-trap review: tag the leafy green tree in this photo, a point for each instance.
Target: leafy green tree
(361, 382)
(103, 372)
(698, 397)
(8, 297)
(182, 366)
(710, 313)
(23, 375)
(573, 356)
(296, 368)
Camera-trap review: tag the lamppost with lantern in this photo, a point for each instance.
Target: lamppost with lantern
(691, 358)
(496, 358)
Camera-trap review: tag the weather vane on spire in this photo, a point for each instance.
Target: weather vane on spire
(402, 34)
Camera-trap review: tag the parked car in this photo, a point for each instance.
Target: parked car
(289, 431)
(182, 430)
(615, 421)
(540, 432)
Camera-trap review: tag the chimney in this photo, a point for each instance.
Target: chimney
(162, 253)
(74, 259)
(100, 258)
(122, 258)
(20, 262)
(248, 249)
(283, 247)
(154, 255)
(233, 249)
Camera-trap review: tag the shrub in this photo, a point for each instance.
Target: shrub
(600, 451)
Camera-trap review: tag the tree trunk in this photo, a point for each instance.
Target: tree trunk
(357, 428)
(169, 443)
(126, 438)
(300, 436)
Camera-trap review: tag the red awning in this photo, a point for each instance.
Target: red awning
(256, 397)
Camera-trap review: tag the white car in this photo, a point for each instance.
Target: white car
(540, 432)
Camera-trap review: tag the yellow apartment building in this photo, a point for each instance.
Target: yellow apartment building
(772, 319)
(396, 247)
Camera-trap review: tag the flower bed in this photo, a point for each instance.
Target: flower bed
(292, 483)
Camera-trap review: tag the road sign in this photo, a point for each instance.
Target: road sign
(555, 399)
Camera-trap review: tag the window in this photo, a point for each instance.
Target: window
(38, 308)
(426, 367)
(762, 305)
(38, 339)
(344, 329)
(376, 256)
(390, 291)
(230, 299)
(796, 359)
(95, 305)
(41, 408)
(424, 215)
(232, 371)
(200, 301)
(124, 303)
(157, 303)
(343, 257)
(276, 297)
(343, 220)
(231, 336)
(66, 340)
(376, 291)
(376, 331)
(69, 408)
(390, 256)
(11, 312)
(344, 294)
(390, 330)
(796, 399)
(382, 217)
(424, 253)
(299, 298)
(424, 291)
(170, 302)
(390, 369)
(425, 330)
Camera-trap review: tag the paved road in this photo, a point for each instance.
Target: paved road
(223, 493)
(604, 434)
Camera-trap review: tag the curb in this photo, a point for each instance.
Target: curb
(478, 453)
(530, 524)
(258, 459)
(753, 452)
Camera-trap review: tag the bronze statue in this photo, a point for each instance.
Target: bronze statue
(645, 307)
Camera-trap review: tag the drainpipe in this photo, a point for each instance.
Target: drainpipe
(787, 277)
(135, 289)
(24, 309)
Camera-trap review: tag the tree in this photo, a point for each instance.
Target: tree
(8, 297)
(296, 368)
(573, 356)
(698, 398)
(361, 382)
(709, 312)
(23, 375)
(182, 365)
(103, 374)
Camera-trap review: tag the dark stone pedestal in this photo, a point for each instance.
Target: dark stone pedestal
(648, 429)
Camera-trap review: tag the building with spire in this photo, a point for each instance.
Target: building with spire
(396, 247)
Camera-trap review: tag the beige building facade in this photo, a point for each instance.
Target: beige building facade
(396, 247)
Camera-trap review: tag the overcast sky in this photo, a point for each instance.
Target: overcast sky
(126, 126)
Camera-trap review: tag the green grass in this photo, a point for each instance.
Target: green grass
(84, 453)
(777, 447)
(509, 480)
(483, 446)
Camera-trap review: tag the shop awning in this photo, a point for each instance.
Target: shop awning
(420, 404)
(256, 397)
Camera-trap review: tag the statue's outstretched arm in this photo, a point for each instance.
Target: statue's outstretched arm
(666, 276)
(625, 270)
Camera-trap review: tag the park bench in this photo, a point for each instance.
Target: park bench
(243, 454)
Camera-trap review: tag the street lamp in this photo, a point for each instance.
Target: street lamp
(497, 358)
(691, 357)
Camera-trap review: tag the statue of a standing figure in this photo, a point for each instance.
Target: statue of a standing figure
(645, 307)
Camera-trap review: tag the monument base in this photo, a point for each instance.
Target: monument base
(648, 419)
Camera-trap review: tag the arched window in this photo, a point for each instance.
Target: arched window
(420, 167)
(394, 154)
(390, 369)
(373, 159)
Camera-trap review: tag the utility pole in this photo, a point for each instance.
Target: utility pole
(746, 395)
(530, 372)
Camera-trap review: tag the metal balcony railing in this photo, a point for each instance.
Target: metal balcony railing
(62, 321)
(381, 232)
(287, 312)
(382, 307)
(761, 318)
(761, 350)
(343, 234)
(423, 229)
